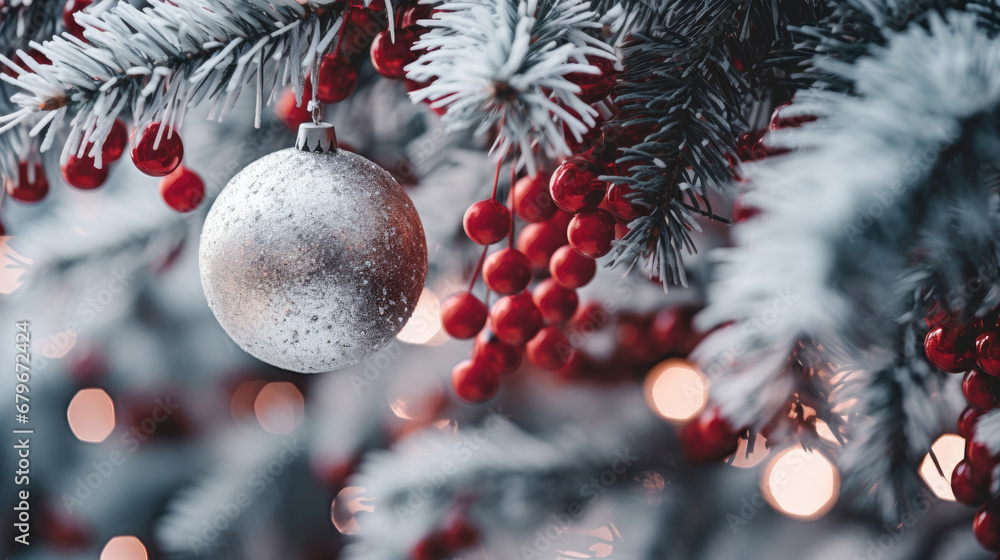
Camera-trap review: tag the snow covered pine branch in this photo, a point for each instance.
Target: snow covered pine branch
(848, 259)
(154, 64)
(504, 63)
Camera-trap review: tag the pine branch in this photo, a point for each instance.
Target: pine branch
(690, 88)
(22, 22)
(502, 64)
(25, 21)
(898, 418)
(493, 471)
(903, 163)
(687, 97)
(238, 481)
(156, 63)
(850, 30)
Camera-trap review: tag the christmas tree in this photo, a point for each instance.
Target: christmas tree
(547, 279)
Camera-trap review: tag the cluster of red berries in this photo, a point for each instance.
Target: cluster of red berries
(457, 535)
(973, 349)
(338, 77)
(153, 152)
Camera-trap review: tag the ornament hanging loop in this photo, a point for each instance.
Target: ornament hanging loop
(317, 137)
(314, 103)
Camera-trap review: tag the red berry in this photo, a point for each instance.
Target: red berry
(115, 143)
(70, 9)
(570, 269)
(531, 199)
(937, 315)
(516, 319)
(621, 230)
(463, 315)
(290, 112)
(556, 302)
(979, 389)
(986, 526)
(390, 58)
(967, 421)
(459, 535)
(595, 87)
(988, 352)
(708, 438)
(30, 53)
(624, 203)
(574, 186)
(549, 349)
(337, 79)
(507, 271)
(980, 456)
(25, 188)
(183, 190)
(951, 347)
(591, 233)
(489, 348)
(588, 140)
(487, 222)
(158, 160)
(415, 13)
(749, 146)
(82, 172)
(970, 487)
(475, 382)
(539, 241)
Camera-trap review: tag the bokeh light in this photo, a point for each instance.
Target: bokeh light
(91, 415)
(13, 265)
(345, 508)
(244, 397)
(424, 326)
(676, 390)
(124, 548)
(949, 450)
(744, 461)
(800, 484)
(279, 407)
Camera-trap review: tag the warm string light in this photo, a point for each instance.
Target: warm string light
(124, 548)
(279, 407)
(424, 326)
(347, 505)
(949, 450)
(676, 390)
(800, 484)
(13, 266)
(91, 415)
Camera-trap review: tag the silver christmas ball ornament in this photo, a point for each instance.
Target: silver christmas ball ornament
(313, 258)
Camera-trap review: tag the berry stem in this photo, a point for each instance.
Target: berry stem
(513, 176)
(479, 267)
(496, 179)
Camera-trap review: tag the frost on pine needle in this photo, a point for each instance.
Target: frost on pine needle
(883, 206)
(155, 63)
(509, 478)
(502, 64)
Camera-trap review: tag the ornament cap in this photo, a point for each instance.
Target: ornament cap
(317, 137)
